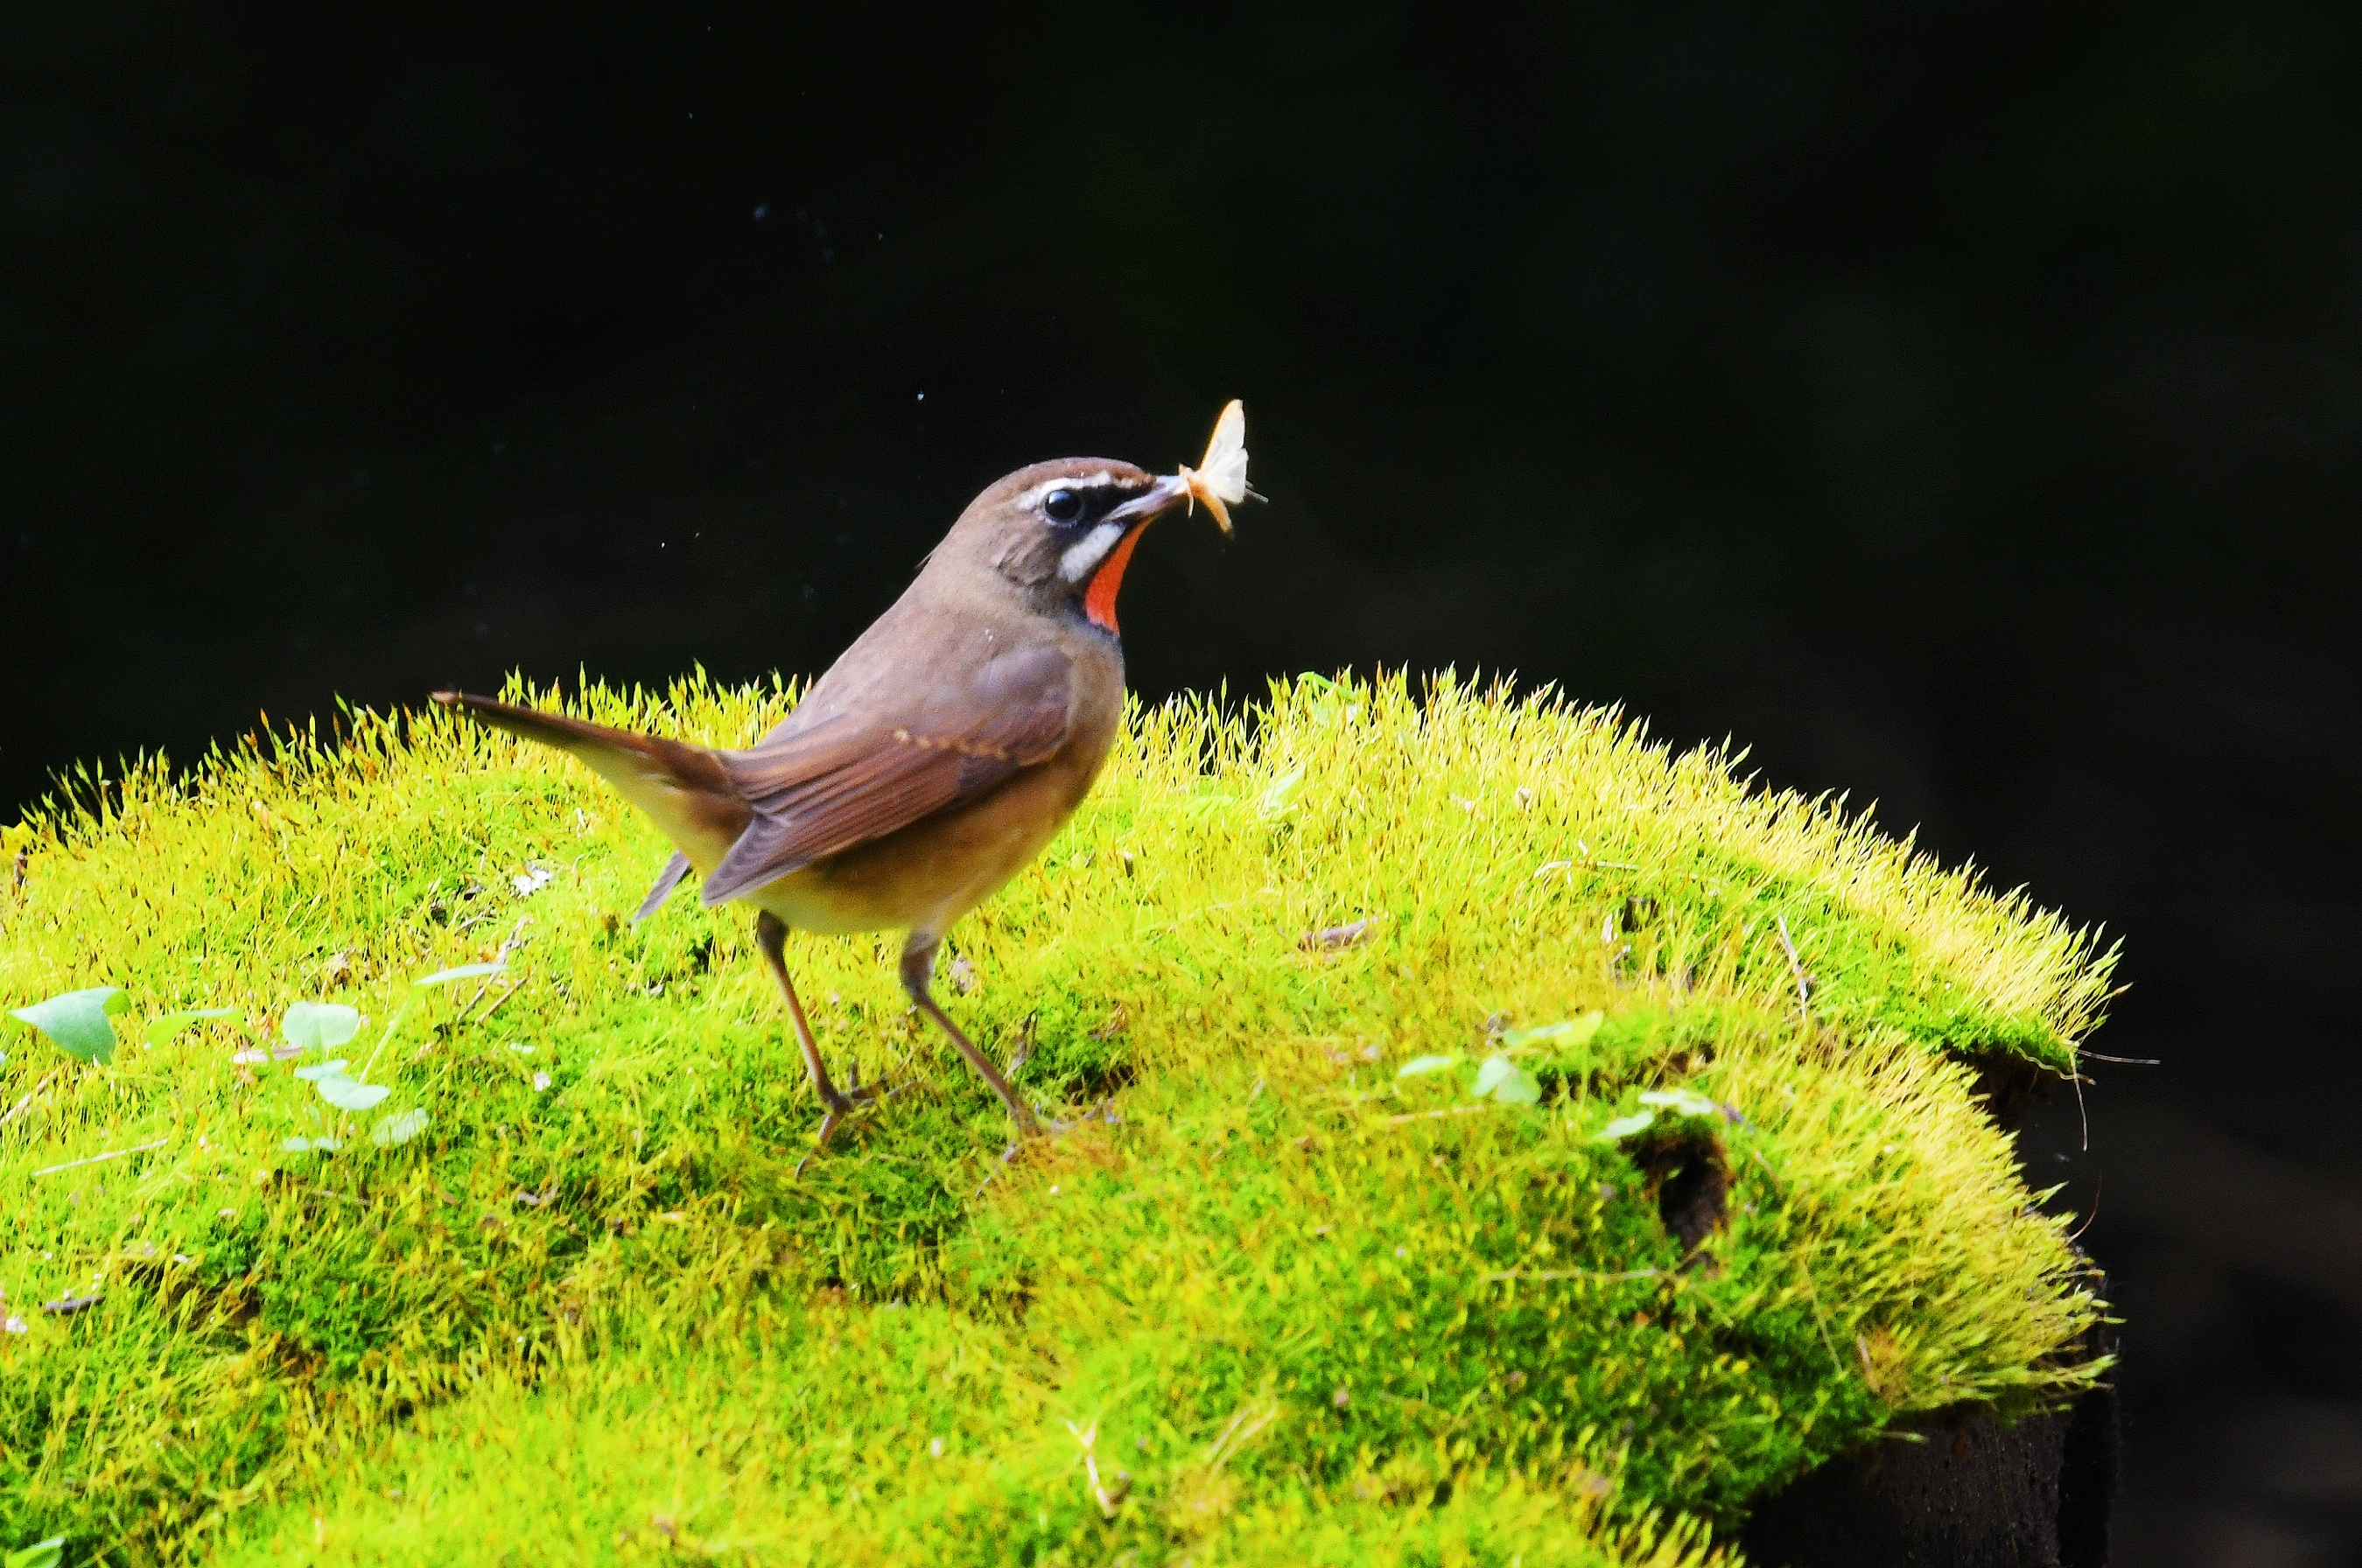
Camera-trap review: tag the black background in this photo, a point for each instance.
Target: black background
(1960, 405)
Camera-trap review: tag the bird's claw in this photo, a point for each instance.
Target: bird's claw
(842, 1104)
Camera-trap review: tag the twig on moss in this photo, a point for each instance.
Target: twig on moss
(18, 1108)
(501, 957)
(496, 1006)
(1219, 1455)
(95, 1159)
(1086, 1437)
(1430, 1115)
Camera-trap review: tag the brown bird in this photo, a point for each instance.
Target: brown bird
(936, 757)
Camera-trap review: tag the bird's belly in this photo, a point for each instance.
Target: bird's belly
(929, 873)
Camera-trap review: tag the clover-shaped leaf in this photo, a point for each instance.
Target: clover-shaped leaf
(167, 1025)
(1623, 1127)
(1208, 801)
(77, 1021)
(1281, 796)
(399, 1128)
(1567, 1033)
(305, 1145)
(318, 1071)
(1500, 1078)
(1517, 1086)
(346, 1095)
(1418, 1066)
(1682, 1102)
(319, 1026)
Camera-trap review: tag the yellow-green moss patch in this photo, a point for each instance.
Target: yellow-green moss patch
(1304, 1308)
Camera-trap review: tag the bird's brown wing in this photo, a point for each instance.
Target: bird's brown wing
(859, 775)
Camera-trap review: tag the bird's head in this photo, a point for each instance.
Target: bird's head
(1062, 532)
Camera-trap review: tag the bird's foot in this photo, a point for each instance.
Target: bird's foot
(842, 1104)
(856, 1092)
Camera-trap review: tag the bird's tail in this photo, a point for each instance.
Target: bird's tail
(683, 787)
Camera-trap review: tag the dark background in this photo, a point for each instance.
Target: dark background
(1962, 405)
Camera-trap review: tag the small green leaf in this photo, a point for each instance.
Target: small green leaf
(1418, 1066)
(1277, 800)
(346, 1095)
(464, 972)
(319, 1026)
(1682, 1102)
(76, 1021)
(40, 1554)
(1567, 1033)
(305, 1145)
(171, 1023)
(1491, 1076)
(399, 1128)
(319, 1070)
(1208, 802)
(1623, 1127)
(1519, 1086)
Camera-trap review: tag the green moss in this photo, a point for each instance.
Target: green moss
(1315, 1311)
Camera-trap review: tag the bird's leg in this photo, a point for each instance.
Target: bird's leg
(771, 936)
(917, 972)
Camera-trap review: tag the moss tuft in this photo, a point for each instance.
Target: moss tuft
(1290, 1305)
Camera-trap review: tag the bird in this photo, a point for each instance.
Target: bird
(935, 757)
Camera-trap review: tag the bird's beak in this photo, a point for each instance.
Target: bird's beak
(1169, 491)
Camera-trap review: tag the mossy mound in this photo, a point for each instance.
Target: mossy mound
(1286, 1303)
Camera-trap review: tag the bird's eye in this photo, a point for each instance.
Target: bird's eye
(1062, 506)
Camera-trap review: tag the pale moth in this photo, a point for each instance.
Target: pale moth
(1220, 480)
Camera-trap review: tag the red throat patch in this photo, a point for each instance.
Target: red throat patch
(1099, 601)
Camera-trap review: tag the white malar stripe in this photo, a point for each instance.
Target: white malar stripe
(1080, 481)
(1085, 554)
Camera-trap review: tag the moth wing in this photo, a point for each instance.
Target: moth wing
(1225, 467)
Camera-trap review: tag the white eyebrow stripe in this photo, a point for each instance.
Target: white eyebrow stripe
(1081, 481)
(1087, 552)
